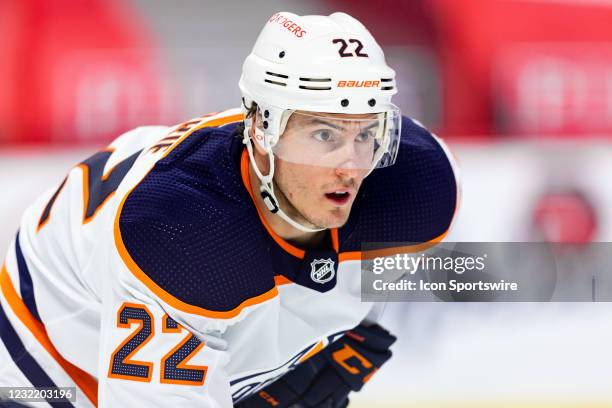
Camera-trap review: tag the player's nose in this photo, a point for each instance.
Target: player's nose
(349, 175)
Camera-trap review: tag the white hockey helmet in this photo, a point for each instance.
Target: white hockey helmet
(309, 65)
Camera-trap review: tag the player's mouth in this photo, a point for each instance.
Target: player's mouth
(339, 198)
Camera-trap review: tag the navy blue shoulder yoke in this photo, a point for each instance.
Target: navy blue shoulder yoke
(192, 228)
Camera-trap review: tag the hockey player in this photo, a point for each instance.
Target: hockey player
(217, 262)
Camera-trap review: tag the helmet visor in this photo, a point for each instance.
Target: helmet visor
(331, 140)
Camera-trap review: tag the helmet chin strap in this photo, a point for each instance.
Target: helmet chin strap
(266, 190)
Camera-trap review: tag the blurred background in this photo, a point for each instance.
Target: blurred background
(520, 89)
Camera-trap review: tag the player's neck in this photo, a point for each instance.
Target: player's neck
(283, 229)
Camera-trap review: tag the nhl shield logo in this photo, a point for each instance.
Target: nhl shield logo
(322, 270)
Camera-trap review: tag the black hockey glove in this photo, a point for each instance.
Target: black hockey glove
(327, 378)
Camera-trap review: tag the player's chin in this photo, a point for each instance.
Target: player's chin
(334, 218)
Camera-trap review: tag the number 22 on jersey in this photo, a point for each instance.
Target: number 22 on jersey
(174, 367)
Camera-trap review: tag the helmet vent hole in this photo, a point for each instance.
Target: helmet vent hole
(388, 86)
(321, 86)
(316, 88)
(275, 82)
(315, 79)
(275, 74)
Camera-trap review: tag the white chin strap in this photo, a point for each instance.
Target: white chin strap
(266, 190)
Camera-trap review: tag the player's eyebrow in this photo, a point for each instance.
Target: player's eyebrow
(318, 121)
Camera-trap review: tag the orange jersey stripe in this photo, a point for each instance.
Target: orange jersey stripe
(281, 280)
(318, 347)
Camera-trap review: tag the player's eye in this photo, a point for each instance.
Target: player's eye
(364, 136)
(323, 135)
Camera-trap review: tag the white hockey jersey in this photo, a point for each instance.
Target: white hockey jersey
(149, 277)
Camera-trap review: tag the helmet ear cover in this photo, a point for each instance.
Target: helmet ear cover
(270, 123)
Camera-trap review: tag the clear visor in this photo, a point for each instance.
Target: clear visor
(363, 141)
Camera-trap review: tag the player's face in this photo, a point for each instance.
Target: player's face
(322, 195)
